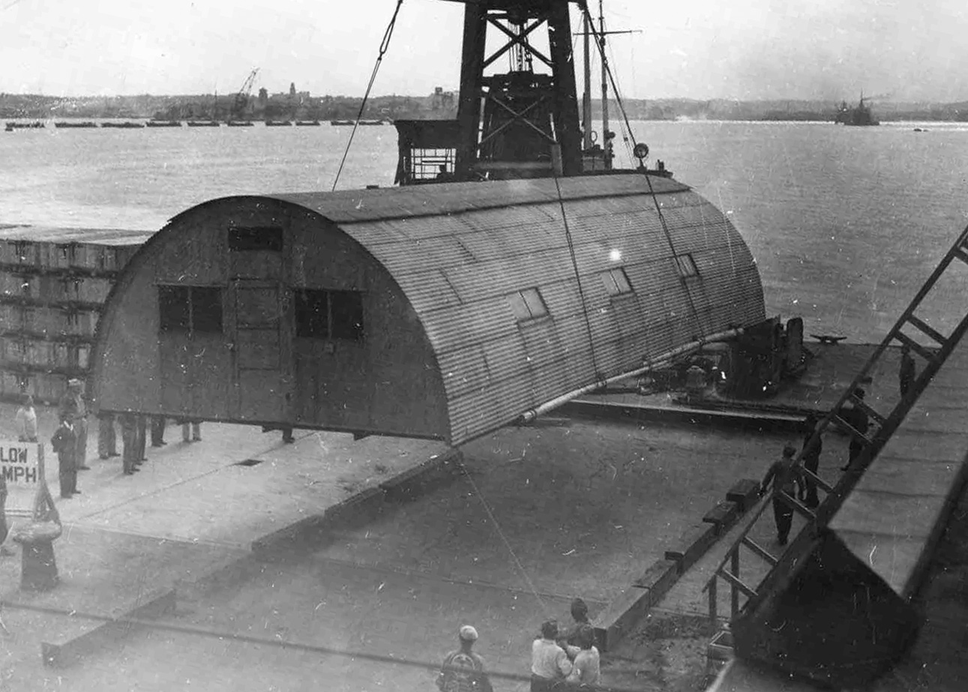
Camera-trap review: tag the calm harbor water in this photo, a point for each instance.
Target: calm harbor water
(845, 223)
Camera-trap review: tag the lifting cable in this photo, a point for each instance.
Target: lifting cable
(574, 263)
(648, 180)
(503, 537)
(384, 45)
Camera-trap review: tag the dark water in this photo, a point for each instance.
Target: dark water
(845, 223)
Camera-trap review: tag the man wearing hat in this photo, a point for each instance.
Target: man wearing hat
(463, 670)
(788, 478)
(73, 408)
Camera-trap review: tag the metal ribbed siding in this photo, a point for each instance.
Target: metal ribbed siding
(458, 251)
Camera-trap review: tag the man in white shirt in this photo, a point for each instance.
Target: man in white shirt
(27, 420)
(549, 662)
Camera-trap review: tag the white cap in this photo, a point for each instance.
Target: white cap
(468, 633)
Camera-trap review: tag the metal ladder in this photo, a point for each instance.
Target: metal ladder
(881, 428)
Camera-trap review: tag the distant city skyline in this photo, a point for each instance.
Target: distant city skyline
(746, 50)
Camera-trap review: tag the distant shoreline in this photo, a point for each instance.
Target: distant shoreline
(439, 105)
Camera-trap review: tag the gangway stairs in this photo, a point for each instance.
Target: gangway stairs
(835, 605)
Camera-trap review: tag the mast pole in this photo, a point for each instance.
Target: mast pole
(606, 142)
(586, 102)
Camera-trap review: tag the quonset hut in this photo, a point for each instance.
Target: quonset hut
(443, 312)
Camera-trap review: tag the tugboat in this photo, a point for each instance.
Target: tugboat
(859, 116)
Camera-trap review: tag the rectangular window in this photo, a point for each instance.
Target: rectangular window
(173, 309)
(527, 305)
(686, 265)
(324, 314)
(346, 314)
(312, 314)
(616, 282)
(206, 309)
(190, 309)
(257, 238)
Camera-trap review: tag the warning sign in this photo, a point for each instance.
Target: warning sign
(22, 464)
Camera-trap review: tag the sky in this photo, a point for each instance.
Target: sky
(902, 50)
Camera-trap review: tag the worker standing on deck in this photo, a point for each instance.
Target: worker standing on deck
(107, 439)
(908, 371)
(26, 420)
(72, 407)
(811, 462)
(64, 443)
(463, 670)
(787, 477)
(191, 430)
(579, 613)
(857, 419)
(130, 453)
(158, 431)
(140, 440)
(549, 662)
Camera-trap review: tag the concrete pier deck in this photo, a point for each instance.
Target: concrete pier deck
(530, 518)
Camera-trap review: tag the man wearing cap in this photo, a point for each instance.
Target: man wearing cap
(73, 408)
(549, 662)
(788, 478)
(463, 670)
(569, 636)
(63, 444)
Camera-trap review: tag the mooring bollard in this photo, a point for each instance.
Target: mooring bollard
(38, 565)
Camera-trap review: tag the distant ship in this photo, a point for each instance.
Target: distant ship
(86, 123)
(11, 126)
(859, 116)
(239, 123)
(278, 123)
(164, 123)
(202, 123)
(307, 123)
(124, 126)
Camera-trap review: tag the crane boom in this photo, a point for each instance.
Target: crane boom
(242, 98)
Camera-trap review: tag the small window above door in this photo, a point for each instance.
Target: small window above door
(255, 238)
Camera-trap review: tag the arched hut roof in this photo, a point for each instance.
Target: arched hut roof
(516, 310)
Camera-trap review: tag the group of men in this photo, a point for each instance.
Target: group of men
(788, 476)
(69, 441)
(559, 659)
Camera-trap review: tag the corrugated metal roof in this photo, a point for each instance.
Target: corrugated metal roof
(491, 240)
